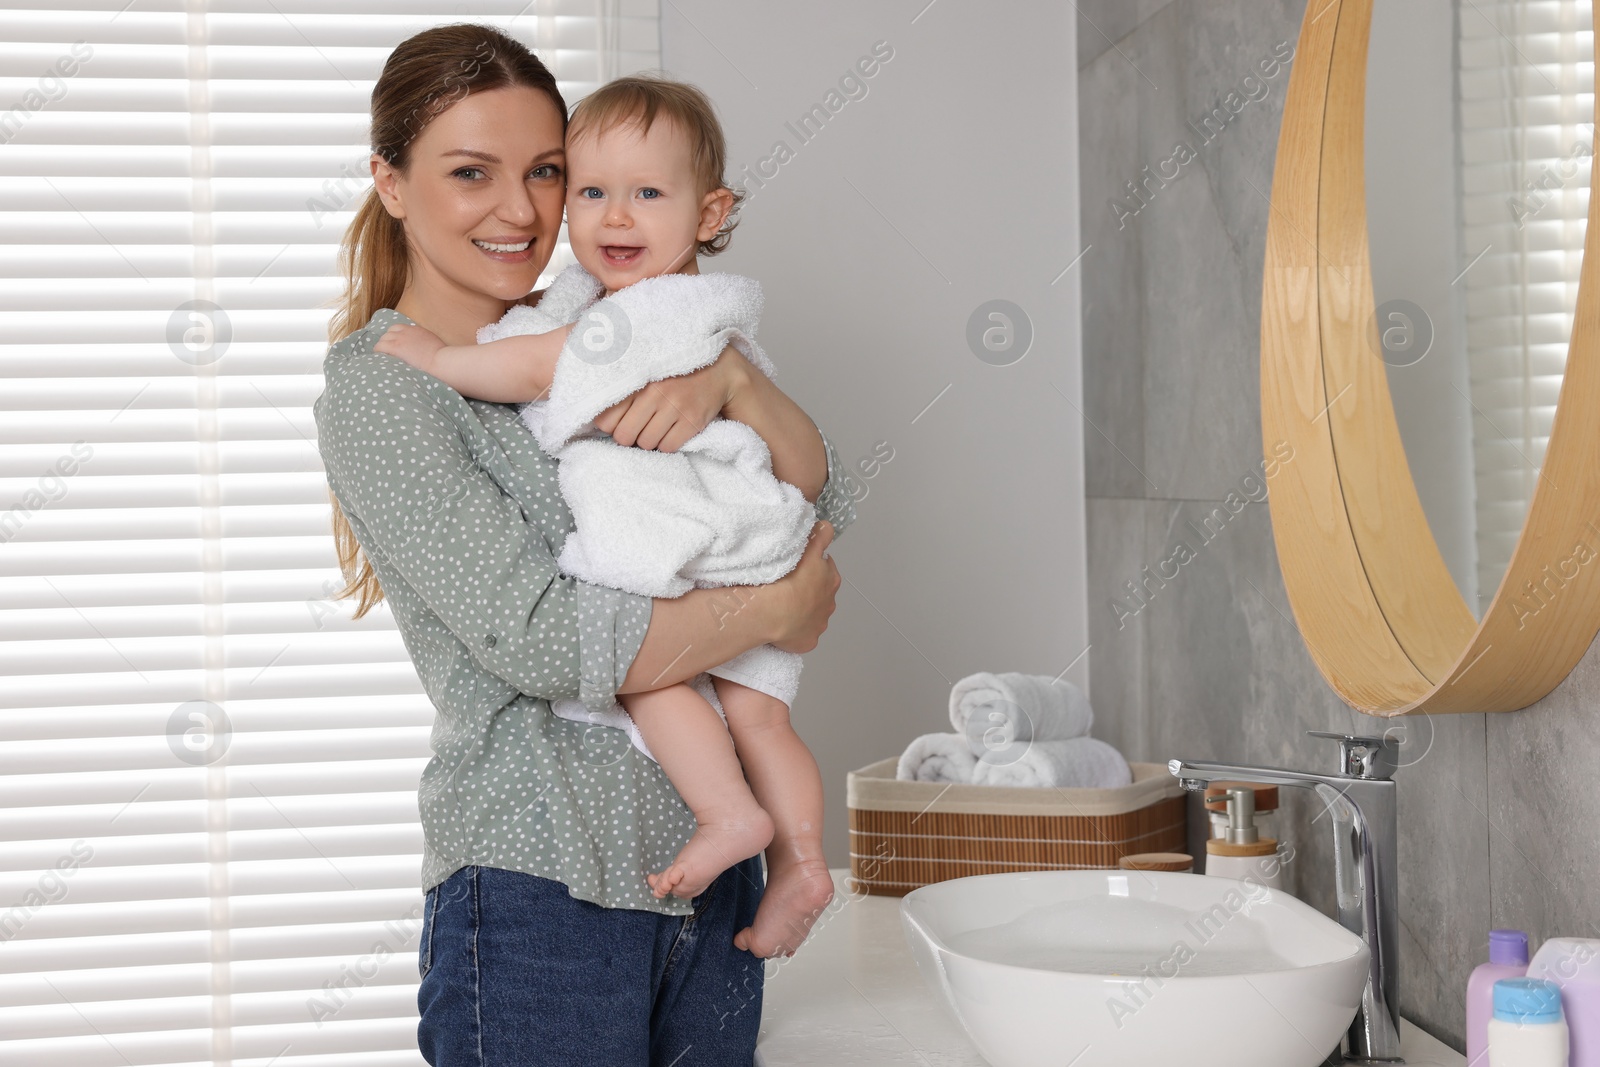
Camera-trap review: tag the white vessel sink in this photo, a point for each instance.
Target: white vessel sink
(1113, 968)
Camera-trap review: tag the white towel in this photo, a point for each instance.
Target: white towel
(655, 328)
(1075, 763)
(997, 713)
(654, 523)
(659, 523)
(766, 669)
(937, 758)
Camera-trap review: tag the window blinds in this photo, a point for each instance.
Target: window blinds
(1527, 107)
(209, 846)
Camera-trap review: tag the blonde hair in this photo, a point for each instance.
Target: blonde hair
(422, 78)
(640, 99)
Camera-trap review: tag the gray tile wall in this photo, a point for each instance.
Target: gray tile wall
(1499, 815)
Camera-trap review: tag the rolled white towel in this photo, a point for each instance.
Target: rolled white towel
(1078, 762)
(937, 758)
(997, 712)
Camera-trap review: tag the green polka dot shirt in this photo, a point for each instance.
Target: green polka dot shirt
(461, 515)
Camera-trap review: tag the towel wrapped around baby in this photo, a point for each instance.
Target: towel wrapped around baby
(658, 524)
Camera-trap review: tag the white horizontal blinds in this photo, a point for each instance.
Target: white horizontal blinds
(209, 847)
(1527, 105)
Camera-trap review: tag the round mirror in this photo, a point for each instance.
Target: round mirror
(1478, 139)
(1430, 326)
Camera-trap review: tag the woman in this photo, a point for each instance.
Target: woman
(541, 940)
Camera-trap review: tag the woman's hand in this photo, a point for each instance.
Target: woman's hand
(805, 595)
(665, 414)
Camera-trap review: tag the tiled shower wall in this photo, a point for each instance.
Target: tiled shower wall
(1199, 656)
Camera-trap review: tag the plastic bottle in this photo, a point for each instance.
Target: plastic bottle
(1573, 963)
(1508, 958)
(1528, 1029)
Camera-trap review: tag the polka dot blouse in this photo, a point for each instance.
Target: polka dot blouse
(462, 517)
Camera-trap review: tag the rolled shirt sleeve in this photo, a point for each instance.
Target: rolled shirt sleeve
(613, 625)
(834, 502)
(427, 514)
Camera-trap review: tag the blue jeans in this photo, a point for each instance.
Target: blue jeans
(518, 973)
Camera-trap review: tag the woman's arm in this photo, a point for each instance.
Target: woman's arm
(427, 514)
(796, 445)
(705, 627)
(507, 371)
(395, 444)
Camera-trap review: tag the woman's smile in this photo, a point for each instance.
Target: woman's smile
(481, 198)
(506, 249)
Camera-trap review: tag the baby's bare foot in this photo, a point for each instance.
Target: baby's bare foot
(717, 845)
(796, 896)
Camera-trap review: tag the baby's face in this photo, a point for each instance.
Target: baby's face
(634, 208)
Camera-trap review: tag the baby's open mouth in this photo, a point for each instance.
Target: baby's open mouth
(620, 255)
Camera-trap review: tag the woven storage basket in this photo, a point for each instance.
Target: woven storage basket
(909, 834)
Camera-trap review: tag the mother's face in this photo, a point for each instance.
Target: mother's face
(482, 195)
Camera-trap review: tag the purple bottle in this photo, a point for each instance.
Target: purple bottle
(1573, 963)
(1508, 958)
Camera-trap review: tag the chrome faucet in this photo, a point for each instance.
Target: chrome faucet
(1361, 800)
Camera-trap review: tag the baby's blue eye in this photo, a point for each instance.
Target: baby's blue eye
(586, 190)
(649, 194)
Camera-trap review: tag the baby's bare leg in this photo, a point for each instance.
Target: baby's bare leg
(696, 753)
(784, 777)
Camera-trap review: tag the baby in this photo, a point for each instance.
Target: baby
(644, 193)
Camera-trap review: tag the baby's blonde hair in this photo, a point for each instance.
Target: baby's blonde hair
(640, 98)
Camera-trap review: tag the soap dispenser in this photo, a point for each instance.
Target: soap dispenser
(1242, 852)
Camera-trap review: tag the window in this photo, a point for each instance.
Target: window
(209, 848)
(1527, 108)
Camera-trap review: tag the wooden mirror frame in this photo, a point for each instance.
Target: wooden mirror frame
(1374, 602)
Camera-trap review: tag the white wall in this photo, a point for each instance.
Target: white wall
(1414, 226)
(953, 181)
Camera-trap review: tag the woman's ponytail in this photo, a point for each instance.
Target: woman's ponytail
(423, 76)
(372, 259)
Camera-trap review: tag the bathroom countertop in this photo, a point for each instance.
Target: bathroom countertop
(852, 997)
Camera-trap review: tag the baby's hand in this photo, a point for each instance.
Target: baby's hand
(415, 345)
